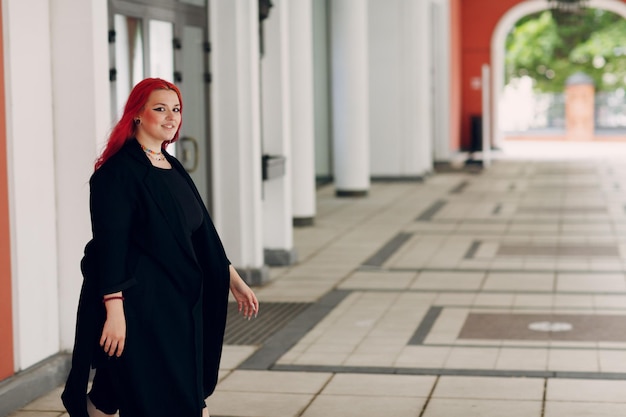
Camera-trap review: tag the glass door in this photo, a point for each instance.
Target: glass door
(129, 60)
(193, 144)
(167, 41)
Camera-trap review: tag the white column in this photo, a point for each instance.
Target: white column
(236, 141)
(31, 173)
(422, 18)
(79, 131)
(349, 63)
(302, 105)
(388, 130)
(276, 120)
(441, 81)
(417, 93)
(486, 122)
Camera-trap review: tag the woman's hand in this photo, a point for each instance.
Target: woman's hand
(246, 300)
(114, 332)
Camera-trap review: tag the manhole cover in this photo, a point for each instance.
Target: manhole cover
(550, 326)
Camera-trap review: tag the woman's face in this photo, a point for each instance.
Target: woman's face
(160, 117)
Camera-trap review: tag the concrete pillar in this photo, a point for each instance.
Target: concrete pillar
(80, 132)
(442, 105)
(579, 107)
(417, 69)
(236, 143)
(302, 121)
(276, 121)
(350, 103)
(401, 110)
(31, 173)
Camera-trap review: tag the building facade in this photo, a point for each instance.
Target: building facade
(344, 90)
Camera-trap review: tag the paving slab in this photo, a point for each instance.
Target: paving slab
(488, 293)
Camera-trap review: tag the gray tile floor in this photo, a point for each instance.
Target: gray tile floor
(494, 294)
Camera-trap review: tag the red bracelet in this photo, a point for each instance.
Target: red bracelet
(114, 297)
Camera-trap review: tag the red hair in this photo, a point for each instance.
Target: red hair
(125, 129)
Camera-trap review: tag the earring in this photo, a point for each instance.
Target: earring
(137, 122)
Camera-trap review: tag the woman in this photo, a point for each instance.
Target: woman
(152, 309)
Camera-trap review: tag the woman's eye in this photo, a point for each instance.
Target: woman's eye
(162, 109)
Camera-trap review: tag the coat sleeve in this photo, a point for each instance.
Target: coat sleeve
(111, 208)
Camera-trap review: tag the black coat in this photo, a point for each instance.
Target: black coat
(175, 287)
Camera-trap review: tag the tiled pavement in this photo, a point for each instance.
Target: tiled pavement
(500, 293)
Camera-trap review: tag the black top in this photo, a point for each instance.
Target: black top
(182, 193)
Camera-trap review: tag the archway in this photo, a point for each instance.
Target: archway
(498, 40)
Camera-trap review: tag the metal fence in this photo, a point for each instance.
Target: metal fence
(548, 111)
(610, 110)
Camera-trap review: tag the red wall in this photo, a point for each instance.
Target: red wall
(6, 315)
(478, 21)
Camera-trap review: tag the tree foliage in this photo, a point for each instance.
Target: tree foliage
(550, 46)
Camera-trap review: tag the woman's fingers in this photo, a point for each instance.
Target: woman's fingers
(255, 305)
(244, 308)
(112, 344)
(116, 349)
(250, 308)
(120, 347)
(112, 347)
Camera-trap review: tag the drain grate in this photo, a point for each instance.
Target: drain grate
(272, 317)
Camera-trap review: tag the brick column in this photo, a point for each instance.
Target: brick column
(579, 107)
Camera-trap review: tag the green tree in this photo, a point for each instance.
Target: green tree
(550, 46)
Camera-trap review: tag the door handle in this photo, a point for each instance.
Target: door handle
(190, 162)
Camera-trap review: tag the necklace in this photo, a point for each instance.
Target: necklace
(157, 156)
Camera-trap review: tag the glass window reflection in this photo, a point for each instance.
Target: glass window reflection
(161, 49)
(128, 56)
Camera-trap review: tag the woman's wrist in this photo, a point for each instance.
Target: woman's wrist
(113, 301)
(108, 298)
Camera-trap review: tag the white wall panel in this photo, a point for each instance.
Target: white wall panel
(301, 98)
(418, 89)
(277, 192)
(81, 124)
(386, 130)
(31, 179)
(400, 88)
(236, 130)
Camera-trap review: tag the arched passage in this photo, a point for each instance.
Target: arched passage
(498, 40)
